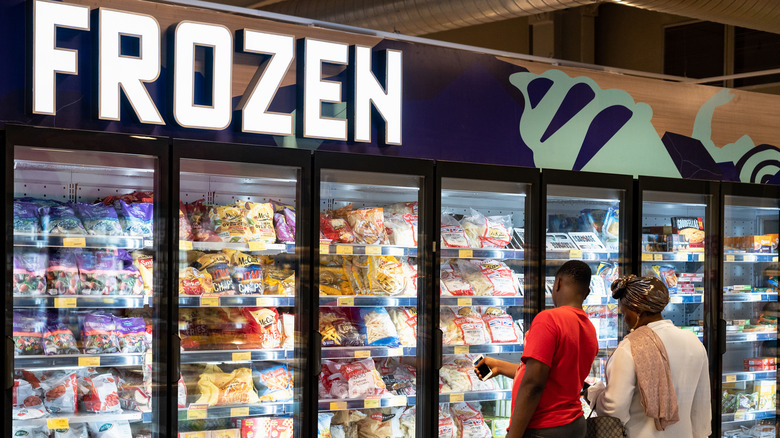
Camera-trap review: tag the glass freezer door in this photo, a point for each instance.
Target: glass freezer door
(583, 223)
(238, 282)
(484, 274)
(368, 301)
(750, 310)
(83, 282)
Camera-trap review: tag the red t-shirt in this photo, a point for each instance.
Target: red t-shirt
(564, 339)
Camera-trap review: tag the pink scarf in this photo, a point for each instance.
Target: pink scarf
(654, 377)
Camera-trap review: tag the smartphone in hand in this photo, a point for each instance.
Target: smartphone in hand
(484, 371)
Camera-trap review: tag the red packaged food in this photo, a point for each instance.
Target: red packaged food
(60, 393)
(200, 224)
(265, 326)
(185, 229)
(100, 393)
(336, 229)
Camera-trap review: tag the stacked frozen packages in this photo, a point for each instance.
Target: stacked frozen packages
(217, 328)
(231, 272)
(478, 326)
(475, 230)
(240, 222)
(367, 275)
(368, 326)
(585, 231)
(367, 423)
(477, 277)
(361, 378)
(395, 224)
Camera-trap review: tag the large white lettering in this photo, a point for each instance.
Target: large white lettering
(369, 90)
(316, 90)
(128, 73)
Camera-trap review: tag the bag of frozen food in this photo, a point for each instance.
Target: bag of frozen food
(62, 273)
(284, 233)
(26, 218)
(410, 270)
(611, 228)
(98, 219)
(408, 420)
(136, 196)
(359, 271)
(194, 282)
(401, 229)
(98, 334)
(220, 388)
(452, 234)
(368, 226)
(336, 229)
(323, 425)
(338, 329)
(500, 325)
(361, 378)
(278, 281)
(28, 327)
(487, 231)
(260, 217)
(145, 264)
(400, 379)
(217, 265)
(264, 326)
(129, 277)
(402, 208)
(387, 275)
(185, 229)
(116, 429)
(59, 393)
(29, 275)
(489, 277)
(469, 421)
(376, 327)
(58, 339)
(333, 277)
(451, 282)
(376, 425)
(60, 219)
(131, 333)
(100, 393)
(74, 430)
(98, 271)
(29, 431)
(137, 219)
(247, 272)
(273, 383)
(230, 222)
(668, 275)
(405, 320)
(181, 396)
(446, 425)
(463, 326)
(288, 328)
(457, 375)
(202, 229)
(23, 395)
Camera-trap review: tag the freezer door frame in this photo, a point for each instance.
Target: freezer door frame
(325, 160)
(87, 141)
(256, 154)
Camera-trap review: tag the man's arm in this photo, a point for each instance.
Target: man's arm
(498, 367)
(528, 396)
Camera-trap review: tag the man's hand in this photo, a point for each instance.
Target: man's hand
(499, 367)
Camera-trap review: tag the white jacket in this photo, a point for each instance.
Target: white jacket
(690, 375)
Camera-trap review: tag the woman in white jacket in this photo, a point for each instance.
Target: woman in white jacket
(657, 380)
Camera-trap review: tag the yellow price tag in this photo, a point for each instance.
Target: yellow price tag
(658, 257)
(729, 258)
(92, 361)
(363, 353)
(185, 245)
(774, 259)
(57, 423)
(149, 357)
(647, 257)
(346, 302)
(239, 412)
(575, 254)
(700, 257)
(739, 416)
(731, 378)
(263, 302)
(395, 352)
(464, 301)
(324, 248)
(244, 356)
(343, 250)
(371, 403)
(338, 406)
(74, 241)
(197, 411)
(398, 401)
(466, 253)
(456, 398)
(460, 349)
(373, 250)
(749, 258)
(65, 302)
(676, 300)
(209, 300)
(257, 246)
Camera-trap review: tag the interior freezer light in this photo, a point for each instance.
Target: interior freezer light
(142, 137)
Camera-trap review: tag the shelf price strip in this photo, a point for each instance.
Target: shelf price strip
(343, 250)
(244, 356)
(57, 423)
(209, 300)
(185, 245)
(257, 246)
(197, 411)
(371, 403)
(92, 361)
(346, 302)
(78, 242)
(65, 302)
(373, 250)
(457, 398)
(464, 301)
(338, 406)
(239, 412)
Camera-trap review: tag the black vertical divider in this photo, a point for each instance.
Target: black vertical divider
(8, 348)
(432, 411)
(170, 428)
(428, 335)
(541, 244)
(314, 346)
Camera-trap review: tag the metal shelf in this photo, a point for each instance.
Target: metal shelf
(237, 301)
(366, 301)
(252, 247)
(361, 352)
(751, 337)
(215, 412)
(82, 241)
(482, 253)
(84, 417)
(482, 301)
(367, 403)
(484, 349)
(79, 360)
(748, 376)
(748, 257)
(376, 250)
(748, 416)
(236, 355)
(83, 301)
(475, 396)
(649, 257)
(576, 254)
(749, 296)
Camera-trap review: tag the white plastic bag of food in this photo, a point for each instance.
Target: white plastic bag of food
(118, 429)
(99, 393)
(74, 430)
(463, 326)
(500, 325)
(469, 421)
(323, 425)
(378, 424)
(405, 320)
(26, 431)
(408, 421)
(451, 281)
(489, 277)
(452, 234)
(401, 229)
(446, 425)
(288, 325)
(487, 231)
(410, 270)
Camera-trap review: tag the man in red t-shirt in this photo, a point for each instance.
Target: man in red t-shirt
(560, 347)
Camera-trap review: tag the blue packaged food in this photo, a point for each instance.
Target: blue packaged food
(273, 382)
(26, 218)
(376, 327)
(136, 219)
(60, 219)
(98, 219)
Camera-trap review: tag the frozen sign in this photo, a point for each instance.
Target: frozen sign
(119, 73)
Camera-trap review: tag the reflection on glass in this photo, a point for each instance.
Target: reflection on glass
(368, 288)
(750, 273)
(237, 294)
(82, 292)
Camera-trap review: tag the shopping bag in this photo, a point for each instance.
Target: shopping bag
(605, 427)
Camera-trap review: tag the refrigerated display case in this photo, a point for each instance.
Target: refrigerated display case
(84, 284)
(372, 269)
(242, 300)
(588, 217)
(749, 273)
(487, 249)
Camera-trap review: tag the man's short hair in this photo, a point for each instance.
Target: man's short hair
(579, 272)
